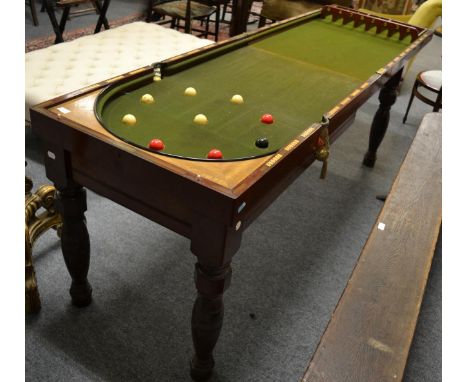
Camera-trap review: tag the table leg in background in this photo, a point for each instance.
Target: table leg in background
(387, 98)
(240, 16)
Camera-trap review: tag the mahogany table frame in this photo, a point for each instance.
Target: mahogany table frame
(186, 196)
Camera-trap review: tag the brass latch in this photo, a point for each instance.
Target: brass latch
(323, 148)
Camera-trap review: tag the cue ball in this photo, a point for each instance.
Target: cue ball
(215, 154)
(129, 119)
(261, 143)
(156, 144)
(190, 92)
(147, 98)
(237, 99)
(267, 119)
(200, 119)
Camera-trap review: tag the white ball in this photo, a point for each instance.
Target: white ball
(190, 92)
(200, 119)
(237, 99)
(147, 98)
(129, 119)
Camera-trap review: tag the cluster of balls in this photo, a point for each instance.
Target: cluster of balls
(200, 119)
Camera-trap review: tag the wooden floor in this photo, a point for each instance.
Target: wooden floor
(370, 333)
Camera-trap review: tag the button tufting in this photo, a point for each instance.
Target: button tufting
(89, 59)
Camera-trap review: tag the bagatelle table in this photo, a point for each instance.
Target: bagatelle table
(311, 73)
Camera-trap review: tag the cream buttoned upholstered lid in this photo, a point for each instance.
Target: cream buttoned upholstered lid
(69, 66)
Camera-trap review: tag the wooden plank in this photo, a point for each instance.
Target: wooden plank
(370, 333)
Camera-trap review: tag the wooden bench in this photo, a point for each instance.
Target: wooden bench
(370, 332)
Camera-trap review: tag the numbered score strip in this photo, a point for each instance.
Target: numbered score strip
(348, 99)
(291, 146)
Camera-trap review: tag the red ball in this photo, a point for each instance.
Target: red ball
(156, 144)
(215, 154)
(267, 118)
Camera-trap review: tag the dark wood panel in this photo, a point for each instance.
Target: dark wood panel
(369, 335)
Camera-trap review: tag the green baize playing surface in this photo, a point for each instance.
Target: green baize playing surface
(296, 75)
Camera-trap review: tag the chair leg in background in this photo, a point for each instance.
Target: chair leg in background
(438, 102)
(410, 101)
(34, 12)
(225, 5)
(64, 18)
(207, 27)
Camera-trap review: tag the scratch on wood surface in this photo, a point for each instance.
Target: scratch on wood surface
(379, 345)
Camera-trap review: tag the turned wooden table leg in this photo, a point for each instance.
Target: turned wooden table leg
(71, 203)
(214, 245)
(207, 317)
(387, 98)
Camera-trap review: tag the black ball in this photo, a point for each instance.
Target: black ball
(261, 143)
